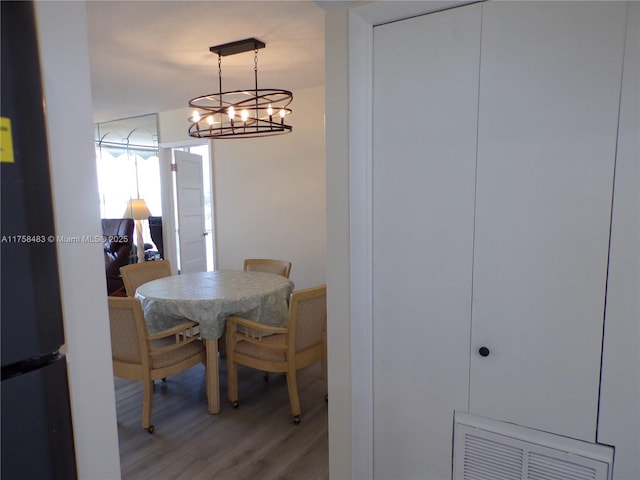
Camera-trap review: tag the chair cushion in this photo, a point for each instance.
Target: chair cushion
(174, 356)
(255, 351)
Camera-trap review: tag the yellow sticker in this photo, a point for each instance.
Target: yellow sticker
(6, 141)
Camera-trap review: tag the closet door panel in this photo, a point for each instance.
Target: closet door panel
(424, 139)
(549, 97)
(619, 419)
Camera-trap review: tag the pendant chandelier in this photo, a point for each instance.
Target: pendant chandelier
(259, 112)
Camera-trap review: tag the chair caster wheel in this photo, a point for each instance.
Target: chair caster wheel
(296, 420)
(151, 429)
(235, 404)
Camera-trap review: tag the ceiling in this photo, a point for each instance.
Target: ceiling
(153, 56)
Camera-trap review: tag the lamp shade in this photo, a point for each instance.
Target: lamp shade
(137, 209)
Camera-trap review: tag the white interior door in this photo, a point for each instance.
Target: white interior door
(549, 97)
(190, 204)
(425, 83)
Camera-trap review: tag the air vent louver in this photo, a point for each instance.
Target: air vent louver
(486, 449)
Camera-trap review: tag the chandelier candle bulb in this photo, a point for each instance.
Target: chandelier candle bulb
(196, 118)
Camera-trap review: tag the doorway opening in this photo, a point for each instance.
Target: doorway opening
(208, 222)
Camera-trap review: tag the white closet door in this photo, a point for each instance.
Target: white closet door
(424, 139)
(549, 96)
(619, 419)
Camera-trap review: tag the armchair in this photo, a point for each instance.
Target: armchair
(117, 236)
(155, 228)
(138, 355)
(280, 349)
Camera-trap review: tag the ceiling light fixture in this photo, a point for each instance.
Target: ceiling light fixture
(259, 112)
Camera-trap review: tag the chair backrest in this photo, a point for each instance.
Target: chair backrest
(118, 229)
(279, 267)
(155, 229)
(129, 342)
(308, 316)
(136, 274)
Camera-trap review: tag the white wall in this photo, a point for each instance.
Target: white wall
(65, 70)
(173, 128)
(338, 293)
(269, 193)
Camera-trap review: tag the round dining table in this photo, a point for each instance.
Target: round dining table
(209, 298)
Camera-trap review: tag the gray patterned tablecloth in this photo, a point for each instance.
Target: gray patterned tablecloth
(210, 297)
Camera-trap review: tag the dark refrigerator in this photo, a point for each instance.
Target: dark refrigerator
(36, 428)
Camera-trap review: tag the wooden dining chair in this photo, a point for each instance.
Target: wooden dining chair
(279, 267)
(137, 355)
(135, 274)
(280, 349)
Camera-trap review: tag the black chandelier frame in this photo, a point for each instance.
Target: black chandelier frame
(258, 112)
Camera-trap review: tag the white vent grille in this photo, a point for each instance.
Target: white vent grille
(542, 467)
(486, 449)
(484, 458)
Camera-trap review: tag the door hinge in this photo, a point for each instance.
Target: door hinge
(174, 167)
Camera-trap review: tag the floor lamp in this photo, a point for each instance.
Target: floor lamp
(138, 210)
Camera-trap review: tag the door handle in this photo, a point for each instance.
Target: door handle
(484, 351)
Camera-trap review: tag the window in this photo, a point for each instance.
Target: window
(128, 166)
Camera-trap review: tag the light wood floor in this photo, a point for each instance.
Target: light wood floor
(256, 441)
